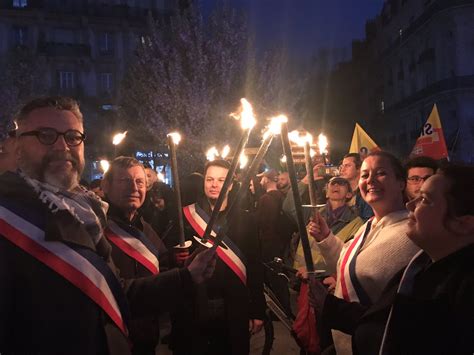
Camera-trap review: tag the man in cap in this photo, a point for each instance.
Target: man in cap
(61, 292)
(341, 218)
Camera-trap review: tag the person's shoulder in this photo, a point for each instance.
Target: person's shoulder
(275, 194)
(13, 186)
(10, 182)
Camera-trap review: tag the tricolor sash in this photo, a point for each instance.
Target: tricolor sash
(231, 255)
(79, 265)
(352, 290)
(135, 244)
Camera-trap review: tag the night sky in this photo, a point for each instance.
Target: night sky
(306, 25)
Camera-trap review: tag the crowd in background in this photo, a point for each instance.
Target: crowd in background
(374, 217)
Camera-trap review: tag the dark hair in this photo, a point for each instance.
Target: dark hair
(421, 162)
(460, 194)
(191, 188)
(400, 172)
(57, 102)
(121, 163)
(357, 160)
(217, 162)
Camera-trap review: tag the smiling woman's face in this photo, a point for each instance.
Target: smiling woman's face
(379, 185)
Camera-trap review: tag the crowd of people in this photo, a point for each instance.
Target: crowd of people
(92, 268)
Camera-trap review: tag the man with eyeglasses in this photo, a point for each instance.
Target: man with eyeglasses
(61, 291)
(418, 170)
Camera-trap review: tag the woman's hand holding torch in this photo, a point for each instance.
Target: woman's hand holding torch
(318, 228)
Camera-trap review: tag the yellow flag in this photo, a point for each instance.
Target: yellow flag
(362, 143)
(431, 141)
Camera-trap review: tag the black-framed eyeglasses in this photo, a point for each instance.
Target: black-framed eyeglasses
(49, 136)
(415, 179)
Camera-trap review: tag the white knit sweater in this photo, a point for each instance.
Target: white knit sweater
(386, 250)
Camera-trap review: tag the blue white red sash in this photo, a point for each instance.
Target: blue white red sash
(135, 245)
(79, 265)
(231, 256)
(352, 290)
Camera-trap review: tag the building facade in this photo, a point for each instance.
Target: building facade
(84, 47)
(422, 54)
(85, 44)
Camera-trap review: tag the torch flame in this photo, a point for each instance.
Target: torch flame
(275, 125)
(322, 144)
(175, 136)
(243, 160)
(104, 165)
(118, 138)
(225, 152)
(299, 139)
(246, 115)
(212, 153)
(161, 177)
(283, 159)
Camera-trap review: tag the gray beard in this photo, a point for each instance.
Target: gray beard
(65, 182)
(42, 171)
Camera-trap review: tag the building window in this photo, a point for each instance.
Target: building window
(64, 36)
(20, 35)
(105, 82)
(106, 44)
(66, 80)
(20, 3)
